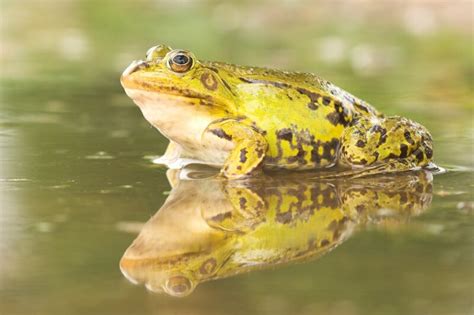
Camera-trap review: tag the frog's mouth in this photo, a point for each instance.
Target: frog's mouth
(134, 79)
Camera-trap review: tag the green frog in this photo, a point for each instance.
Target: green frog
(242, 119)
(211, 228)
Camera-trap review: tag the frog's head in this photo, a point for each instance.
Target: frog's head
(177, 74)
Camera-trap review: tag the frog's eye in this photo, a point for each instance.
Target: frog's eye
(178, 286)
(180, 62)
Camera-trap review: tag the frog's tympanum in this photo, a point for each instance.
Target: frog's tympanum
(212, 228)
(243, 118)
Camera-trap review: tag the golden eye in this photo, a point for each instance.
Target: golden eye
(180, 62)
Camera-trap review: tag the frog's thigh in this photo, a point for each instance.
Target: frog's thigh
(359, 145)
(249, 147)
(388, 145)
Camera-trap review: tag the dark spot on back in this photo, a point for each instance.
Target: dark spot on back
(340, 115)
(361, 107)
(326, 100)
(360, 143)
(313, 97)
(312, 106)
(334, 118)
(376, 128)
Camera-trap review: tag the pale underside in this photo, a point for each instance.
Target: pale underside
(184, 123)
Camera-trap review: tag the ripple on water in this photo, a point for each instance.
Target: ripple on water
(101, 155)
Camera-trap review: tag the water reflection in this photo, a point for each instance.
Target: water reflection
(210, 228)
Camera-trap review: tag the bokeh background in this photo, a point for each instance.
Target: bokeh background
(75, 170)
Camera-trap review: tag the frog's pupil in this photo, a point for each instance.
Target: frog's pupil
(181, 59)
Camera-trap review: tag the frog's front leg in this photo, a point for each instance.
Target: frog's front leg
(384, 145)
(172, 153)
(249, 147)
(248, 210)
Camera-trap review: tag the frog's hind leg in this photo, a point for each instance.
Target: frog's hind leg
(384, 145)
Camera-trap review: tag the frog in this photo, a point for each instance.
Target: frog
(211, 228)
(243, 119)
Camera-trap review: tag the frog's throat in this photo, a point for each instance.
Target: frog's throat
(178, 118)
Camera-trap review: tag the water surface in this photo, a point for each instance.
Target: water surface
(77, 183)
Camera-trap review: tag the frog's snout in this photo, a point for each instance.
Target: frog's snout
(134, 66)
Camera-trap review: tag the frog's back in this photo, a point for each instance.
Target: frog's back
(299, 81)
(301, 115)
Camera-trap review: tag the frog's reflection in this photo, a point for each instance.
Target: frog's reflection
(210, 228)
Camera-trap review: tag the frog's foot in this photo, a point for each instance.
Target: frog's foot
(249, 147)
(384, 145)
(176, 164)
(173, 157)
(384, 168)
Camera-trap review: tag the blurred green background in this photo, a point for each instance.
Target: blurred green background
(75, 151)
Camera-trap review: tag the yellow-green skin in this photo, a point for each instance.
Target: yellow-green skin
(210, 228)
(243, 118)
